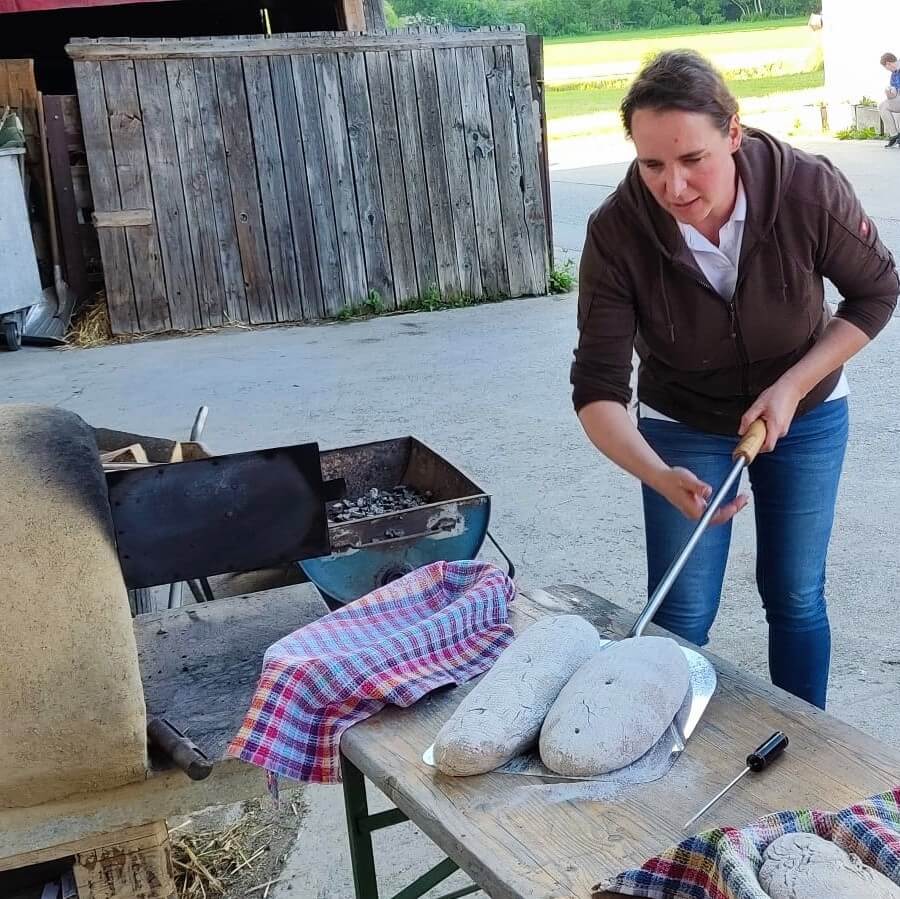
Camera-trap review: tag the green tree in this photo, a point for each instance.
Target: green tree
(559, 17)
(771, 9)
(709, 11)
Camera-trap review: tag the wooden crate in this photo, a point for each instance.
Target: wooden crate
(18, 90)
(134, 863)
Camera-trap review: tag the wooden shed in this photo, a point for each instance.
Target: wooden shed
(238, 175)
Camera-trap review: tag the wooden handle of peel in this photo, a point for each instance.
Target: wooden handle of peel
(751, 442)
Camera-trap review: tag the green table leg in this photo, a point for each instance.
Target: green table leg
(360, 825)
(362, 857)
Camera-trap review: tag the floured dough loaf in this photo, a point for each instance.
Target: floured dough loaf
(615, 707)
(804, 866)
(502, 715)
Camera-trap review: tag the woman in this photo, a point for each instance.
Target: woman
(708, 259)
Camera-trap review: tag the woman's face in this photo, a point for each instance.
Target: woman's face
(687, 163)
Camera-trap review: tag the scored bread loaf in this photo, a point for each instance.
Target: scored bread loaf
(615, 707)
(502, 715)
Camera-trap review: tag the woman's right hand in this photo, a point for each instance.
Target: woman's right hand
(684, 490)
(614, 433)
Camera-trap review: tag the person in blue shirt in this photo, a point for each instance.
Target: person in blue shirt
(891, 103)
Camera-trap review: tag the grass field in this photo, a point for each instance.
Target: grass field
(587, 77)
(563, 104)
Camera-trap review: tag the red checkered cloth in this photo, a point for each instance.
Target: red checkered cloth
(724, 863)
(440, 625)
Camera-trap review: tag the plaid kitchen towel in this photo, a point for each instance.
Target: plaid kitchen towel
(724, 863)
(442, 624)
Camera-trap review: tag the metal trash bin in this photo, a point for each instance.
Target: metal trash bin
(20, 283)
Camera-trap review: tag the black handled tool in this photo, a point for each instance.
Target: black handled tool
(757, 761)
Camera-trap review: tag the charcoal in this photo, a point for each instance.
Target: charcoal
(377, 501)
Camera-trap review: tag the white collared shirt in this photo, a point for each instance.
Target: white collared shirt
(720, 266)
(720, 263)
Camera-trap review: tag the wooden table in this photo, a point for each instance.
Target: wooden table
(523, 838)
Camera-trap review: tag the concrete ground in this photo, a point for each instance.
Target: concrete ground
(488, 388)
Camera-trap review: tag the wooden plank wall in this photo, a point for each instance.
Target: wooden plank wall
(285, 178)
(81, 185)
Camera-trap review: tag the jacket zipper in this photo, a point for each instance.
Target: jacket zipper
(734, 323)
(743, 269)
(739, 340)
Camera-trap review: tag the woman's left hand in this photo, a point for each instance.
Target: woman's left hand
(776, 406)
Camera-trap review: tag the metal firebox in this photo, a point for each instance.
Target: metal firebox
(237, 512)
(246, 511)
(370, 552)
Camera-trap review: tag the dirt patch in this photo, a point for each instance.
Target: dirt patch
(235, 852)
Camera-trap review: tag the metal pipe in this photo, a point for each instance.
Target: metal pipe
(662, 590)
(199, 423)
(128, 466)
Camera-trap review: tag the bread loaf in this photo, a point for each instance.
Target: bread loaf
(502, 715)
(615, 707)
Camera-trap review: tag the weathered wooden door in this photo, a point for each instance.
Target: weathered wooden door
(284, 178)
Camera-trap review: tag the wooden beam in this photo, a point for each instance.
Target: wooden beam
(375, 17)
(56, 824)
(353, 14)
(292, 45)
(144, 835)
(64, 196)
(535, 45)
(125, 218)
(128, 865)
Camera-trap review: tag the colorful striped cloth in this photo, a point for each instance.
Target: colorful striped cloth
(439, 625)
(724, 863)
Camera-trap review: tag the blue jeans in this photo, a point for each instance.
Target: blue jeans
(794, 493)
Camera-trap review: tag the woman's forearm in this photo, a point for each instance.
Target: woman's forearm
(839, 342)
(612, 430)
